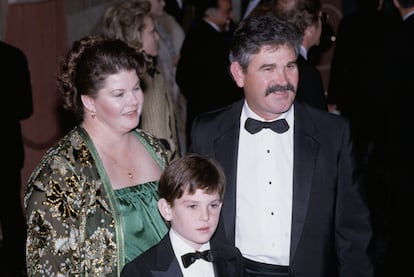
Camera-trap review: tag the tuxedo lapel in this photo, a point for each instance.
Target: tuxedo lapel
(226, 260)
(306, 149)
(226, 150)
(173, 270)
(167, 264)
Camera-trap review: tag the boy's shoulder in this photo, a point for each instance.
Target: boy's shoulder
(149, 260)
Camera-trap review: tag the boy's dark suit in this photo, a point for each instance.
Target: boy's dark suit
(330, 221)
(160, 261)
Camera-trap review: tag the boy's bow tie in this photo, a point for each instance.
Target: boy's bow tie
(190, 258)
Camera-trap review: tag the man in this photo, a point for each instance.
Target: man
(398, 147)
(308, 17)
(16, 92)
(202, 71)
(293, 204)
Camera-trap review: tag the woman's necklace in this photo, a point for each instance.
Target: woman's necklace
(129, 173)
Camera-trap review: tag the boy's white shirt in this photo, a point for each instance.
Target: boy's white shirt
(200, 268)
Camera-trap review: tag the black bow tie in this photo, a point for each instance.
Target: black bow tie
(190, 258)
(253, 126)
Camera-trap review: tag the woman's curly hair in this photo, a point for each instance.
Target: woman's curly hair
(84, 69)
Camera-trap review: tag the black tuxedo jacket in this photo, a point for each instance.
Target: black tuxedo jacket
(310, 87)
(17, 92)
(203, 71)
(160, 261)
(330, 221)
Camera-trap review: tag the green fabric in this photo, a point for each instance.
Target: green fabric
(143, 224)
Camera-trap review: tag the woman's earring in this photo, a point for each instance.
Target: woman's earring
(93, 114)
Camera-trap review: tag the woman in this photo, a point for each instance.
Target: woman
(132, 22)
(92, 200)
(171, 39)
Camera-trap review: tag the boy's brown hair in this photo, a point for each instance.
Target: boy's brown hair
(189, 173)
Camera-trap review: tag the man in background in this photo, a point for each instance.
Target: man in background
(17, 94)
(203, 69)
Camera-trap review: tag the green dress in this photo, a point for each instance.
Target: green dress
(143, 224)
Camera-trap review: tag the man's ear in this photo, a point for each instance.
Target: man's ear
(165, 209)
(237, 73)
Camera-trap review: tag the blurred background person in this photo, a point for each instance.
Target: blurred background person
(91, 202)
(398, 149)
(356, 65)
(203, 69)
(171, 39)
(355, 90)
(17, 92)
(131, 21)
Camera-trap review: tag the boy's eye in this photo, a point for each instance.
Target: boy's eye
(215, 205)
(193, 206)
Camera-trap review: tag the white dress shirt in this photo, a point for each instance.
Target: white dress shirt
(264, 192)
(200, 268)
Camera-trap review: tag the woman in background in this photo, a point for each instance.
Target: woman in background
(131, 21)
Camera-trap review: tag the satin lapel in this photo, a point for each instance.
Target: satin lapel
(306, 149)
(226, 151)
(173, 270)
(224, 260)
(167, 264)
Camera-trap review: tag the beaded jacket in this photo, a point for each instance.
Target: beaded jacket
(74, 221)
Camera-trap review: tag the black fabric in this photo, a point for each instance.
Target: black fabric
(257, 269)
(190, 258)
(253, 126)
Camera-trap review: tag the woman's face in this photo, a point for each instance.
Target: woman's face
(150, 37)
(157, 7)
(119, 102)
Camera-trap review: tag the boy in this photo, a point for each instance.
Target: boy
(191, 193)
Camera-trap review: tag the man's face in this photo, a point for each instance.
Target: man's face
(270, 80)
(224, 13)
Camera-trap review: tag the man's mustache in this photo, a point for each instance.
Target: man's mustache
(277, 88)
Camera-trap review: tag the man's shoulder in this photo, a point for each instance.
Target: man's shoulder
(8, 50)
(143, 263)
(226, 114)
(317, 117)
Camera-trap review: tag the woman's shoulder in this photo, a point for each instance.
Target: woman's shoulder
(67, 151)
(154, 144)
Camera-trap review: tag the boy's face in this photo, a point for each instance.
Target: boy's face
(193, 217)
